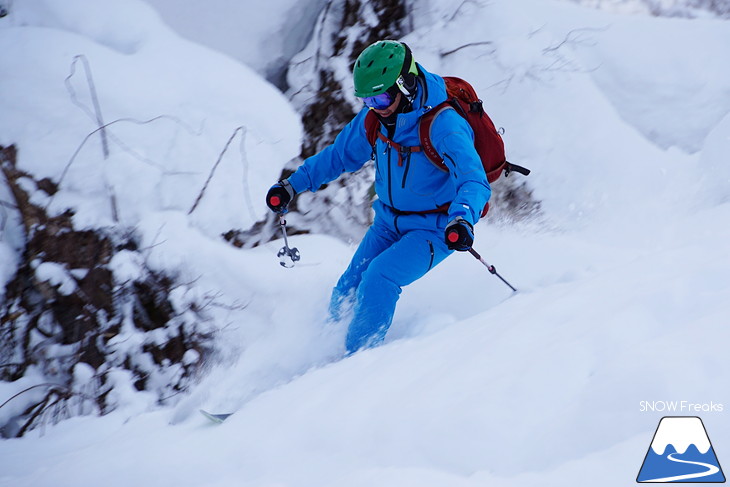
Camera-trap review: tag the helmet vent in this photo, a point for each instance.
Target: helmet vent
(384, 70)
(371, 63)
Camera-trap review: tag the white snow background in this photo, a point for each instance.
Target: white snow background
(624, 288)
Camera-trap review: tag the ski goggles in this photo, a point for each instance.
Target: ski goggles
(386, 99)
(379, 102)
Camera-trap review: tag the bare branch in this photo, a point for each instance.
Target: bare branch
(119, 120)
(241, 129)
(471, 44)
(464, 3)
(45, 384)
(94, 99)
(573, 36)
(246, 189)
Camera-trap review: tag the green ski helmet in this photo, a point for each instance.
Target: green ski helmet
(380, 65)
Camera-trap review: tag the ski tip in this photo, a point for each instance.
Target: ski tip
(216, 418)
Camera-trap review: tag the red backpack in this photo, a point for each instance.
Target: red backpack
(487, 140)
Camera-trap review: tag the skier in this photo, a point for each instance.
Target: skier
(422, 213)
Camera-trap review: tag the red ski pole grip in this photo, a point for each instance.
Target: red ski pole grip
(453, 237)
(275, 201)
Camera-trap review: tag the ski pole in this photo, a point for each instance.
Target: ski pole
(491, 268)
(285, 252)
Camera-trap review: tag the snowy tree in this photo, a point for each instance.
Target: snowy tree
(87, 314)
(320, 88)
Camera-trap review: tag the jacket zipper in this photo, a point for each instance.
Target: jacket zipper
(405, 172)
(430, 247)
(390, 186)
(452, 163)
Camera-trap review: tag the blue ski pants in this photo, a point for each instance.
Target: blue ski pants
(396, 251)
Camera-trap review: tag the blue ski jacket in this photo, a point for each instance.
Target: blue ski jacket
(410, 183)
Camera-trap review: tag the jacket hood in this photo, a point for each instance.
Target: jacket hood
(430, 92)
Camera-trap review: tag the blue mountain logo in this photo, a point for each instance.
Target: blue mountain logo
(681, 452)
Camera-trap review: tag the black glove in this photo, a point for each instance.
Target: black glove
(279, 196)
(459, 234)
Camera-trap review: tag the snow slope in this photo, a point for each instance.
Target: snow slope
(623, 279)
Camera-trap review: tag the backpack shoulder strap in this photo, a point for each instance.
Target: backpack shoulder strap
(372, 127)
(373, 133)
(424, 134)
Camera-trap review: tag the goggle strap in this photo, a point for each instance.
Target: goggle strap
(407, 61)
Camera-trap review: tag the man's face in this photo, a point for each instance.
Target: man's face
(387, 112)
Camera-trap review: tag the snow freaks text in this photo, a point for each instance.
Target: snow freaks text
(680, 407)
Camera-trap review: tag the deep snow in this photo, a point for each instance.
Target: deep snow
(262, 38)
(623, 278)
